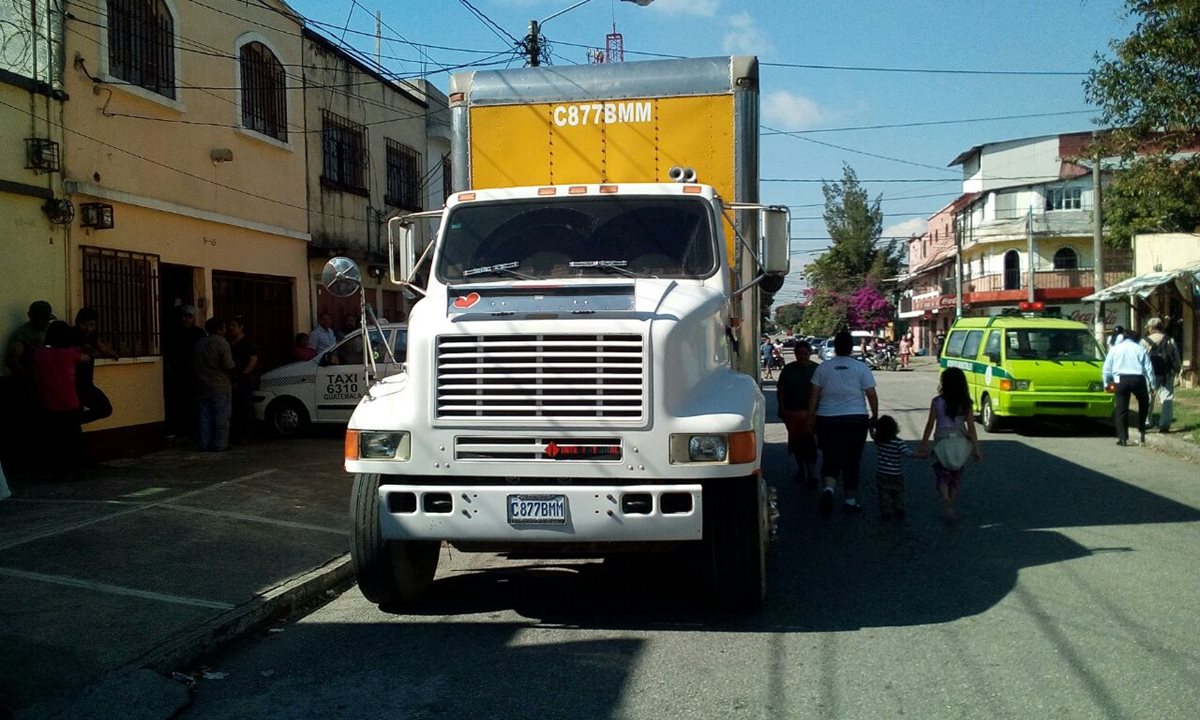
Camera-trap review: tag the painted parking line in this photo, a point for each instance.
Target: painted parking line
(113, 589)
(138, 508)
(253, 518)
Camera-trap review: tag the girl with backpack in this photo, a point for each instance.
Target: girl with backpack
(952, 424)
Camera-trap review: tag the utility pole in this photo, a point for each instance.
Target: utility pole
(533, 44)
(379, 38)
(1029, 237)
(958, 269)
(1097, 243)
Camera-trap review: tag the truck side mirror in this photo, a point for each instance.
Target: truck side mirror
(776, 252)
(404, 239)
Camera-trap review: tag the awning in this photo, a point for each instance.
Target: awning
(1144, 285)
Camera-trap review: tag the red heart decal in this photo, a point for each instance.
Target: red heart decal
(466, 301)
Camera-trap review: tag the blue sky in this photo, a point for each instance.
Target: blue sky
(820, 104)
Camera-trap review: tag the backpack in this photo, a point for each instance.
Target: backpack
(1162, 360)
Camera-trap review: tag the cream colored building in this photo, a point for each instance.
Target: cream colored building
(373, 153)
(186, 126)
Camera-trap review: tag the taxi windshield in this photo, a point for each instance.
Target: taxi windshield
(1052, 344)
(544, 238)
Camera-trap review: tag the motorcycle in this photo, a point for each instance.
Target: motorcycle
(884, 358)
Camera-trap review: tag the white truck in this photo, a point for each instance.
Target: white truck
(582, 372)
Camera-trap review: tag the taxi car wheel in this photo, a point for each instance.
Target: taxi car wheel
(987, 416)
(389, 572)
(287, 417)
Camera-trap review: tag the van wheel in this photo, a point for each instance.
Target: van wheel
(287, 417)
(735, 542)
(389, 572)
(987, 416)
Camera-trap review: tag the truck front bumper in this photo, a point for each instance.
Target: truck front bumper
(1096, 405)
(592, 513)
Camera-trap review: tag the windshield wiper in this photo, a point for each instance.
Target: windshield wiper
(508, 267)
(616, 265)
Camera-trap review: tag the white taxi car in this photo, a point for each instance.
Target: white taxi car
(326, 388)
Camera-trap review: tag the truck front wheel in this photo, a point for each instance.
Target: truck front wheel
(735, 541)
(389, 572)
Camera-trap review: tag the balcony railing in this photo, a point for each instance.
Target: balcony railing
(1043, 280)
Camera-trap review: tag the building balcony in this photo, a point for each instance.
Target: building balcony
(1080, 278)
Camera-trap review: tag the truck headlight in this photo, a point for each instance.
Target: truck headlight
(727, 448)
(373, 445)
(1020, 384)
(1096, 386)
(708, 448)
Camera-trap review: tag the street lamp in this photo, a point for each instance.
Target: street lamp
(533, 41)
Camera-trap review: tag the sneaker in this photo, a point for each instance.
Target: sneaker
(1142, 437)
(851, 506)
(826, 501)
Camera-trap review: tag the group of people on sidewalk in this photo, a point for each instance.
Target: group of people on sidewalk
(830, 409)
(50, 391)
(212, 375)
(1145, 369)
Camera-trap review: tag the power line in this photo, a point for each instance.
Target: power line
(857, 152)
(928, 123)
(927, 71)
(496, 29)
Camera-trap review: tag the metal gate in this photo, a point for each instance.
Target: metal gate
(265, 301)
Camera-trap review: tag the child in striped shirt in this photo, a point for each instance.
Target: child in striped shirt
(889, 471)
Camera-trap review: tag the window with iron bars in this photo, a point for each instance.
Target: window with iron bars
(123, 288)
(264, 101)
(344, 147)
(447, 179)
(403, 177)
(141, 44)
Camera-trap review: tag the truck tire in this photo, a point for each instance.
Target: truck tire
(735, 543)
(389, 572)
(987, 415)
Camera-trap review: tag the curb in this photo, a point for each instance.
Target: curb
(1180, 448)
(150, 675)
(185, 648)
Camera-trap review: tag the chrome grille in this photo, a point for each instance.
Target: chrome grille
(514, 377)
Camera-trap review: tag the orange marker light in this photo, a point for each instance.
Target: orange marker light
(351, 449)
(466, 196)
(743, 447)
(577, 190)
(608, 189)
(547, 191)
(692, 189)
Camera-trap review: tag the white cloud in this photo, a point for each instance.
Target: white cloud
(703, 8)
(905, 229)
(744, 37)
(789, 111)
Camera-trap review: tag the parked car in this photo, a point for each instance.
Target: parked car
(827, 350)
(326, 388)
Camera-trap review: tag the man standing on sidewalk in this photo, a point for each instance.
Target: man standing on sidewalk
(1128, 366)
(213, 363)
(245, 360)
(1165, 362)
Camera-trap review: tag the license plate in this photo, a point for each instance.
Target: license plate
(537, 510)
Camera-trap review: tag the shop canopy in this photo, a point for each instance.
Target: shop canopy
(1144, 285)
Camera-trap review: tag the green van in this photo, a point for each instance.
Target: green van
(1027, 366)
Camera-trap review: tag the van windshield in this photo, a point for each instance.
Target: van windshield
(545, 238)
(1051, 344)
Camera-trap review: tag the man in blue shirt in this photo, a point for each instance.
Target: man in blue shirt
(1128, 367)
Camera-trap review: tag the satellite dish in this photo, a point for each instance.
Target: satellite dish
(341, 277)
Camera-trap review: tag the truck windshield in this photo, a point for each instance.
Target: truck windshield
(1051, 344)
(549, 238)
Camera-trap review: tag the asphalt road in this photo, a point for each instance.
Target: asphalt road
(1069, 590)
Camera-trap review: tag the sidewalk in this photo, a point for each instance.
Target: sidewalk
(153, 563)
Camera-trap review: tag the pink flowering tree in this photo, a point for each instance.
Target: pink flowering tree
(868, 308)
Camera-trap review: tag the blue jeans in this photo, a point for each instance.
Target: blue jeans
(213, 431)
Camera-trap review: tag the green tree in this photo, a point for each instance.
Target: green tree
(856, 254)
(1147, 90)
(789, 317)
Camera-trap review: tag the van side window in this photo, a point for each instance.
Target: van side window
(971, 346)
(954, 344)
(992, 349)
